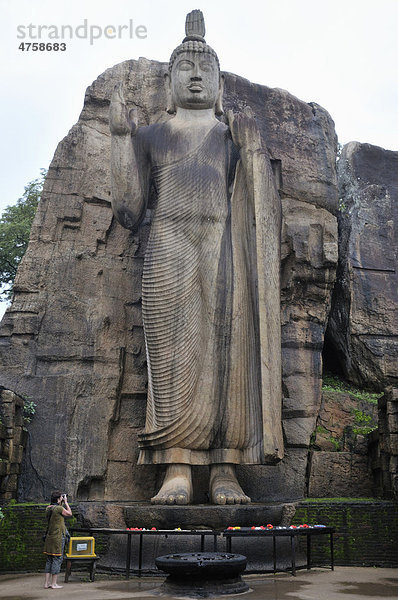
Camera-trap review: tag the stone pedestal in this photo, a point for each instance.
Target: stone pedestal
(204, 516)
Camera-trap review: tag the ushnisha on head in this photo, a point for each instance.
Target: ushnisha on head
(194, 80)
(194, 41)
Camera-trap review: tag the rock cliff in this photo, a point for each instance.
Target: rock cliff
(363, 323)
(72, 339)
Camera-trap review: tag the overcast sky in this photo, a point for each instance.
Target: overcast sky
(341, 54)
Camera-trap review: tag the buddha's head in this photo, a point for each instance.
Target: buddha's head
(194, 80)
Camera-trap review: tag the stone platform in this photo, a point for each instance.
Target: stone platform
(203, 516)
(206, 516)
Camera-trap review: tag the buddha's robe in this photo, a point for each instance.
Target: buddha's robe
(200, 307)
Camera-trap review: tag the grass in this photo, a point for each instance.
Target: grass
(332, 383)
(13, 502)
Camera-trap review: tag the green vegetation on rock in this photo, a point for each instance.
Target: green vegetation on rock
(336, 500)
(332, 383)
(363, 423)
(29, 410)
(21, 531)
(337, 442)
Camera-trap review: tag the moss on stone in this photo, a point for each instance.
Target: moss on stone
(332, 383)
(21, 532)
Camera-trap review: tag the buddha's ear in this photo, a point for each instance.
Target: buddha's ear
(171, 109)
(219, 108)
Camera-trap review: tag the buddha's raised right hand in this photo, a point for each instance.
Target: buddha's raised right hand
(121, 120)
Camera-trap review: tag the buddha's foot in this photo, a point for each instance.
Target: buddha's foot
(177, 486)
(224, 487)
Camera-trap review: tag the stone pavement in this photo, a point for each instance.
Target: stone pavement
(345, 583)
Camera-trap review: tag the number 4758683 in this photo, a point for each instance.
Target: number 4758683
(42, 47)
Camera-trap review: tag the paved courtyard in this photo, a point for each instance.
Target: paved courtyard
(345, 583)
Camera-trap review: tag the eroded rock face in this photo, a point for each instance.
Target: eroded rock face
(13, 438)
(339, 474)
(72, 339)
(363, 321)
(339, 463)
(343, 421)
(384, 448)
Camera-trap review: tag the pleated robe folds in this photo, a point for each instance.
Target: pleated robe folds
(213, 346)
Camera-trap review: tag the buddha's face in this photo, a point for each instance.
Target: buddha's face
(195, 80)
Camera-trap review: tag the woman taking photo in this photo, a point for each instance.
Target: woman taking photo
(55, 537)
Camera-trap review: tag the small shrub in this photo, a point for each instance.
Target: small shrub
(29, 410)
(363, 423)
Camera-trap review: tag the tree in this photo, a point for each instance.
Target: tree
(15, 224)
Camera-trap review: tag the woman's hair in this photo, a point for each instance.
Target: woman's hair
(54, 496)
